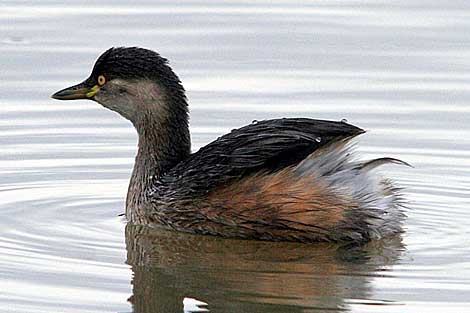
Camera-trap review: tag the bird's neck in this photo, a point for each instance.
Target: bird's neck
(164, 141)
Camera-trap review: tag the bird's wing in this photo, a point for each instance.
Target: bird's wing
(264, 146)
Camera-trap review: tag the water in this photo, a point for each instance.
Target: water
(399, 70)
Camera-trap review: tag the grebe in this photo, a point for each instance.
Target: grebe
(289, 179)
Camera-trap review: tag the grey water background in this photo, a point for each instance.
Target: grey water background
(399, 69)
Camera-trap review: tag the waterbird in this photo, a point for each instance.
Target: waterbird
(286, 179)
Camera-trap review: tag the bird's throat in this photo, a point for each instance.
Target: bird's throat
(164, 141)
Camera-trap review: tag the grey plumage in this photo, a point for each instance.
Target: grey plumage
(379, 210)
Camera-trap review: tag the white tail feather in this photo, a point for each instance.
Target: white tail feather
(378, 201)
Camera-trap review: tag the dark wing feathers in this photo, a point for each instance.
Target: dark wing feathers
(266, 146)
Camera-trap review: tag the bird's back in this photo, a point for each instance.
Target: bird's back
(283, 179)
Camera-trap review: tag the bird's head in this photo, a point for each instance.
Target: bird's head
(131, 81)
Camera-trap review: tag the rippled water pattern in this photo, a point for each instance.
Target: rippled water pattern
(399, 69)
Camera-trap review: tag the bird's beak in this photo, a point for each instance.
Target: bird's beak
(80, 91)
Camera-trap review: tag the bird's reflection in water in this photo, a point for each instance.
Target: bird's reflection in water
(249, 276)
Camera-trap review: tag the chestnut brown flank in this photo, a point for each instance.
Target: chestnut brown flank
(289, 205)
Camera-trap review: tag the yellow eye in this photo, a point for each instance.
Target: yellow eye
(101, 80)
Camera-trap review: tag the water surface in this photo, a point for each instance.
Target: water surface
(398, 69)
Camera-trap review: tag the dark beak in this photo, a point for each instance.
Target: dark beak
(80, 91)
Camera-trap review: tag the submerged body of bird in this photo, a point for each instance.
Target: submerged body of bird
(290, 179)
